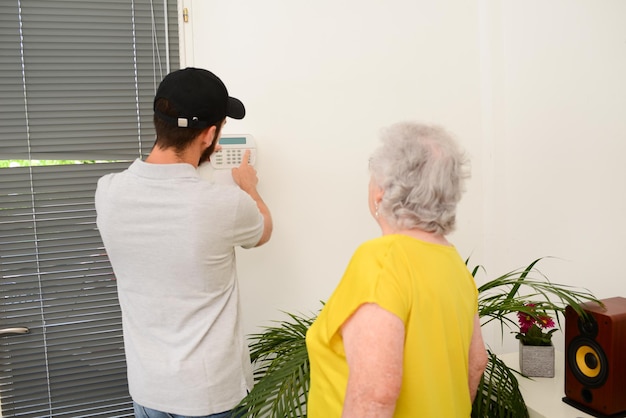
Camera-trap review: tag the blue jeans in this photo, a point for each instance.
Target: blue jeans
(143, 412)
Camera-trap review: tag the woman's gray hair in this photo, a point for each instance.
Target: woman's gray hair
(422, 171)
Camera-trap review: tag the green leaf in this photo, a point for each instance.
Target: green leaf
(509, 293)
(498, 394)
(282, 370)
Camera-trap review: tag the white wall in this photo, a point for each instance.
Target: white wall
(534, 92)
(560, 178)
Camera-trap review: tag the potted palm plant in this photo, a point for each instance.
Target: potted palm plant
(282, 366)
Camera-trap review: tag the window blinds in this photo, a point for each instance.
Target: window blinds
(77, 80)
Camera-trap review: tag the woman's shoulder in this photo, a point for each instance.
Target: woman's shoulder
(399, 247)
(375, 244)
(377, 249)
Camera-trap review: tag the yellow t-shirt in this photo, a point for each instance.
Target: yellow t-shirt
(430, 289)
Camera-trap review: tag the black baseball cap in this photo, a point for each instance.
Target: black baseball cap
(199, 98)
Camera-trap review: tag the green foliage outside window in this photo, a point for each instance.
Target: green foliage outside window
(27, 163)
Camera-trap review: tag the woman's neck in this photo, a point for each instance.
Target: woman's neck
(419, 234)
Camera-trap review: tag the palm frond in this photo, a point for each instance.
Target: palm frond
(281, 370)
(511, 292)
(498, 394)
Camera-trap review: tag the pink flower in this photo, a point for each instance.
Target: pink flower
(531, 324)
(525, 321)
(546, 322)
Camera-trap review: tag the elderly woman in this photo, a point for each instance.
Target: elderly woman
(400, 336)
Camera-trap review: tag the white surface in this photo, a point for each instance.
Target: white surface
(319, 80)
(544, 395)
(534, 91)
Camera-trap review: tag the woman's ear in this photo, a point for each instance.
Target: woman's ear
(378, 194)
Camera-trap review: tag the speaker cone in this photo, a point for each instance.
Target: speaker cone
(587, 362)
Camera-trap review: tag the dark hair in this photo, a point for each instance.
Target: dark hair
(171, 136)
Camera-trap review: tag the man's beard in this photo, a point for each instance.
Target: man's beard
(206, 154)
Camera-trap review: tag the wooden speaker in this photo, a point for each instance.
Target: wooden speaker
(595, 358)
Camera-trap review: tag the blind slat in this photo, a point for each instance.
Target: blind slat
(84, 92)
(82, 50)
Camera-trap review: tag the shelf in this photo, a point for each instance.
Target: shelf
(544, 395)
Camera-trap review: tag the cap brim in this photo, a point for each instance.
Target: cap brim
(236, 109)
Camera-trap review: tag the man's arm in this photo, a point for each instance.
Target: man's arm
(268, 224)
(246, 178)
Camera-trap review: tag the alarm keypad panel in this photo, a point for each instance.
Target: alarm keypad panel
(233, 150)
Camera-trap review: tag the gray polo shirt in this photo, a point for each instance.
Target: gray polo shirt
(171, 238)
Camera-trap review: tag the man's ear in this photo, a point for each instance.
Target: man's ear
(208, 135)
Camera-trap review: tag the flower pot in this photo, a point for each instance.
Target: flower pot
(536, 360)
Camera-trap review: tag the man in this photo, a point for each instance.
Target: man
(170, 237)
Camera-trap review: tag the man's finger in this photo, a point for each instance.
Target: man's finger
(246, 157)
